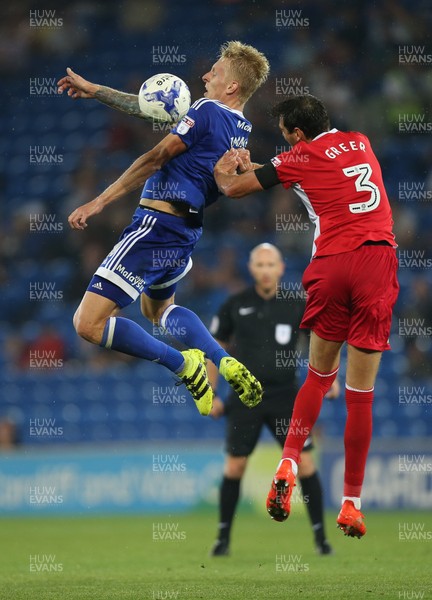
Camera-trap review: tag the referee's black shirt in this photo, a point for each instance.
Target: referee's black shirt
(263, 334)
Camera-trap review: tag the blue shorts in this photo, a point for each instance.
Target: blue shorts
(151, 256)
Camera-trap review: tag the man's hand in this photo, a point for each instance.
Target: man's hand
(218, 408)
(76, 86)
(228, 163)
(78, 219)
(229, 181)
(244, 161)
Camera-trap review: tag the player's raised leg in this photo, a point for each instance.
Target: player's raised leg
(96, 321)
(322, 371)
(187, 327)
(362, 369)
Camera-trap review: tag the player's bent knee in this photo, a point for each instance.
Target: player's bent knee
(86, 329)
(154, 313)
(322, 380)
(75, 318)
(148, 313)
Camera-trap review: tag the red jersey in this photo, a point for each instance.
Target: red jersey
(339, 180)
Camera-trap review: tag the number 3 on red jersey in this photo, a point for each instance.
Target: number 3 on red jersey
(363, 183)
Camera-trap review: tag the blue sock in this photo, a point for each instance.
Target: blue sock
(185, 326)
(127, 336)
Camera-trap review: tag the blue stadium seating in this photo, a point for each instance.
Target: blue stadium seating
(126, 406)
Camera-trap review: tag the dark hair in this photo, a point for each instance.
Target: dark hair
(305, 112)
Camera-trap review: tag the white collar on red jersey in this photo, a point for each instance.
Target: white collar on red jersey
(334, 130)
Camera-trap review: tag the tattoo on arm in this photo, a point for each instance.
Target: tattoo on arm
(127, 103)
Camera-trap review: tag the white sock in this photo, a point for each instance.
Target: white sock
(293, 463)
(354, 500)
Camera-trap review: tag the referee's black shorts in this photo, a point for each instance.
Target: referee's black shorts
(244, 424)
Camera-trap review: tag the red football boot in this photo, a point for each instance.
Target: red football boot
(279, 497)
(350, 520)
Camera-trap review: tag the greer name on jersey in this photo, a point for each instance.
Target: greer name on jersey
(209, 129)
(339, 180)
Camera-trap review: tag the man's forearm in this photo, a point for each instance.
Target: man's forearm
(133, 178)
(127, 103)
(144, 167)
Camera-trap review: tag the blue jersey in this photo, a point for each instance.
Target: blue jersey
(209, 129)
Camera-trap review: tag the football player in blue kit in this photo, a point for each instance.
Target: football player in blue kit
(154, 251)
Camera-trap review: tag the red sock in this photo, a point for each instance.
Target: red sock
(358, 434)
(307, 407)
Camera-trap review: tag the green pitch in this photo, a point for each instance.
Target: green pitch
(166, 556)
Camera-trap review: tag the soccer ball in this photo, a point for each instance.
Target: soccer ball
(164, 98)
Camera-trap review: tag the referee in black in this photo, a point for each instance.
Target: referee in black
(261, 326)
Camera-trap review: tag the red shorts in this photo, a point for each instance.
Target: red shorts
(350, 296)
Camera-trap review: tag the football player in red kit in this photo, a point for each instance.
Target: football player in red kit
(351, 281)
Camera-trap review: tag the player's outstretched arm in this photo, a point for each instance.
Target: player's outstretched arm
(229, 182)
(133, 178)
(78, 87)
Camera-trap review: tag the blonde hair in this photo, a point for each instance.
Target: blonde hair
(247, 64)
